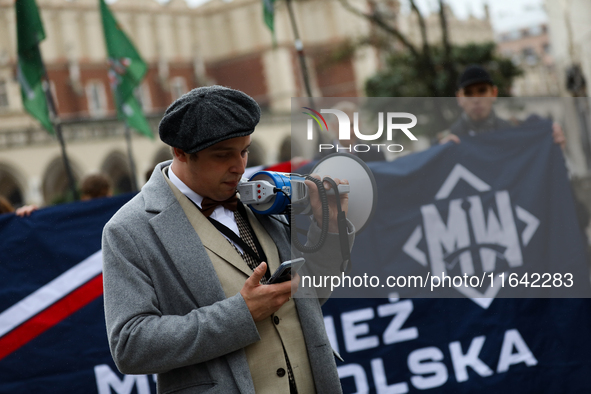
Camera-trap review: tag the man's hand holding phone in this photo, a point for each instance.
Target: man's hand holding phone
(284, 272)
(264, 300)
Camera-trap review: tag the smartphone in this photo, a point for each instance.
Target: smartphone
(285, 270)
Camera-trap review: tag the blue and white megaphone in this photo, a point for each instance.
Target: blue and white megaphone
(268, 192)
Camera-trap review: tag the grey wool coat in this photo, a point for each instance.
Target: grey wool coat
(165, 309)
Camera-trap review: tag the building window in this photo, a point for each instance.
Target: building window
(535, 30)
(97, 98)
(530, 56)
(142, 94)
(4, 104)
(178, 87)
(514, 35)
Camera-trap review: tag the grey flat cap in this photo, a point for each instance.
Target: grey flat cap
(208, 115)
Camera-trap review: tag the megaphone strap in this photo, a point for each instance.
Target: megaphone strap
(342, 224)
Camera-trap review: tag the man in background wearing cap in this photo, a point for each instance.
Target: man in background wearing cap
(182, 299)
(476, 95)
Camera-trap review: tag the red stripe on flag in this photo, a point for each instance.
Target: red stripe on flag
(51, 316)
(286, 166)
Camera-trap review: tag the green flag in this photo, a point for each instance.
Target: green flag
(135, 118)
(269, 14)
(30, 71)
(126, 70)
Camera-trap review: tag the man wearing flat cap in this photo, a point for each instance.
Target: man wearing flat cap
(187, 300)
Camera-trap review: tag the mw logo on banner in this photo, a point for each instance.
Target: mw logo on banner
(471, 234)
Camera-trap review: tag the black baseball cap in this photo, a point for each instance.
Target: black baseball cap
(474, 74)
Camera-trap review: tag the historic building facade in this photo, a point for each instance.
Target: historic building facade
(223, 42)
(530, 49)
(220, 42)
(569, 31)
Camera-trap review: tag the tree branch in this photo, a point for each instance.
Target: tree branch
(447, 63)
(376, 19)
(427, 58)
(444, 30)
(426, 49)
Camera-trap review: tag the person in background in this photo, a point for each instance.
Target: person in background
(5, 205)
(96, 186)
(93, 186)
(476, 95)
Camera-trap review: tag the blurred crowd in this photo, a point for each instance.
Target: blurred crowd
(92, 186)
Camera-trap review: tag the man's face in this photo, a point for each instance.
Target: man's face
(477, 100)
(216, 170)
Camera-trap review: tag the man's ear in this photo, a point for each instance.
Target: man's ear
(180, 155)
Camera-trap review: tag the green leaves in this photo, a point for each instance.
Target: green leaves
(406, 75)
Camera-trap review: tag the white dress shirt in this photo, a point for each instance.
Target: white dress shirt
(221, 214)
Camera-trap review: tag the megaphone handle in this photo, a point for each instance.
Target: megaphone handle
(325, 220)
(343, 235)
(341, 223)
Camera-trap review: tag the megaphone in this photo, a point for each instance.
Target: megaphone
(268, 192)
(363, 193)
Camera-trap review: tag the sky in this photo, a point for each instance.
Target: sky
(506, 15)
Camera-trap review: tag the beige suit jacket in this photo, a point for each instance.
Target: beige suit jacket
(280, 330)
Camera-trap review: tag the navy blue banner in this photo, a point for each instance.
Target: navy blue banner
(501, 203)
(495, 210)
(52, 326)
(453, 346)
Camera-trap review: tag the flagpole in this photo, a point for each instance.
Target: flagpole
(57, 124)
(32, 73)
(127, 140)
(300, 49)
(299, 46)
(134, 187)
(126, 71)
